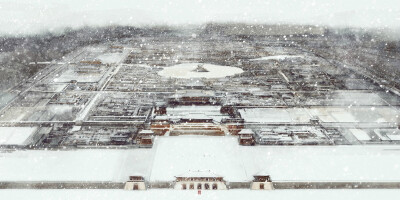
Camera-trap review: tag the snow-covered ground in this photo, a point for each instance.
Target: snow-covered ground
(79, 165)
(348, 98)
(325, 114)
(223, 156)
(324, 163)
(356, 114)
(175, 155)
(360, 134)
(178, 155)
(186, 71)
(5, 97)
(264, 115)
(111, 58)
(70, 75)
(167, 194)
(15, 135)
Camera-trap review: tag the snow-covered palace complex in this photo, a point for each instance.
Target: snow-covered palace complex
(203, 114)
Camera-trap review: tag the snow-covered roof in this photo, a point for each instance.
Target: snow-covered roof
(161, 117)
(266, 130)
(199, 174)
(196, 83)
(263, 172)
(278, 57)
(276, 138)
(75, 128)
(191, 112)
(138, 174)
(195, 93)
(145, 132)
(196, 116)
(246, 131)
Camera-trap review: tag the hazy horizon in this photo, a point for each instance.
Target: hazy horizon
(32, 17)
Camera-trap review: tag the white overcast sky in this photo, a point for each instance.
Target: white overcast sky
(33, 16)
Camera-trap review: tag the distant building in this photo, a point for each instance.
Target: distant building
(116, 49)
(263, 30)
(193, 97)
(200, 180)
(160, 125)
(160, 109)
(314, 120)
(196, 118)
(88, 69)
(200, 68)
(196, 84)
(145, 138)
(91, 62)
(234, 125)
(246, 137)
(269, 136)
(135, 183)
(262, 181)
(119, 138)
(197, 129)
